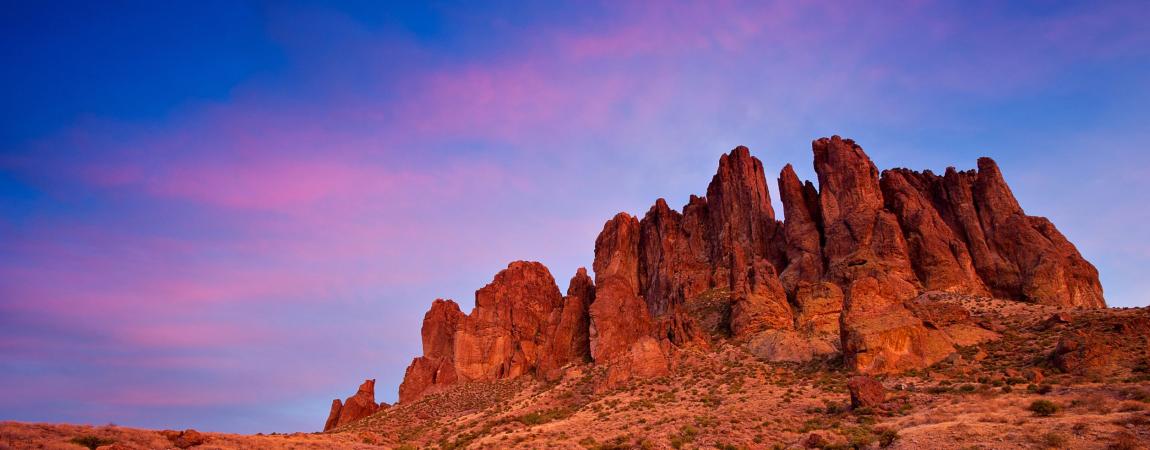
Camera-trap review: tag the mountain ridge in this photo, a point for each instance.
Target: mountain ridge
(846, 276)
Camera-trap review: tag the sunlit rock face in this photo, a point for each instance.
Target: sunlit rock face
(844, 272)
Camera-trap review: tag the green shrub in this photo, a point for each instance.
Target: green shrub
(1043, 408)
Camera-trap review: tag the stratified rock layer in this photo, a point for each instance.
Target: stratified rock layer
(843, 273)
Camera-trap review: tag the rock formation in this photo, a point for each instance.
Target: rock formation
(1013, 255)
(866, 392)
(356, 407)
(509, 331)
(571, 339)
(521, 325)
(845, 272)
(1083, 353)
(436, 368)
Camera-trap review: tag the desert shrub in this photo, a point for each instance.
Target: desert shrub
(1054, 440)
(833, 407)
(940, 389)
(542, 417)
(685, 435)
(1125, 441)
(886, 436)
(91, 441)
(1043, 408)
(966, 388)
(531, 419)
(864, 436)
(1045, 389)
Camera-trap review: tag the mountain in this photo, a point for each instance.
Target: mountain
(873, 277)
(833, 278)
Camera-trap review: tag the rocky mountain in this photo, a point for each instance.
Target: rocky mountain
(842, 277)
(894, 309)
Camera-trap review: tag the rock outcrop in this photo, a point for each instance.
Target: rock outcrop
(521, 325)
(845, 272)
(1013, 255)
(866, 392)
(867, 257)
(356, 407)
(1083, 353)
(571, 338)
(434, 370)
(940, 259)
(619, 317)
(509, 331)
(745, 250)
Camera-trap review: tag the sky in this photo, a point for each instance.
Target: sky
(223, 214)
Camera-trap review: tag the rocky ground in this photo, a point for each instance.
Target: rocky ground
(981, 397)
(1018, 392)
(1013, 392)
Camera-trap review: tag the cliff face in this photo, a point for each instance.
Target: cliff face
(841, 274)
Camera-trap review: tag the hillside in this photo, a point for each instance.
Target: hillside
(726, 397)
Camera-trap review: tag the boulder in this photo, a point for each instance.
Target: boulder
(866, 392)
(185, 439)
(1083, 353)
